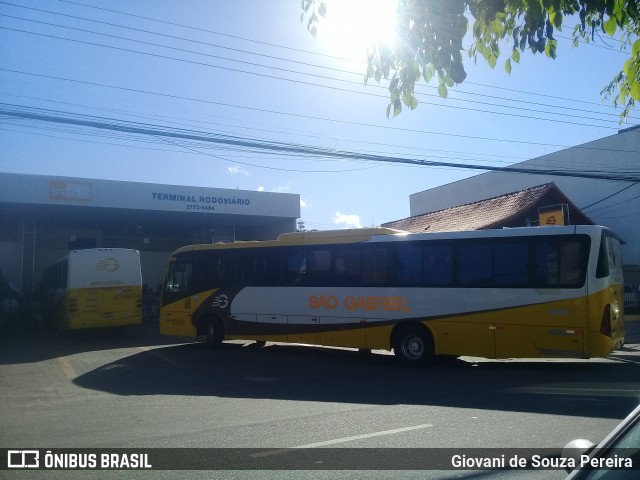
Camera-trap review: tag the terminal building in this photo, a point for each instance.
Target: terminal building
(44, 217)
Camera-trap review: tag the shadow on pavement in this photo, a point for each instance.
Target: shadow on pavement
(34, 346)
(288, 372)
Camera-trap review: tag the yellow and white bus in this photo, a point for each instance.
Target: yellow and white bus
(509, 293)
(94, 288)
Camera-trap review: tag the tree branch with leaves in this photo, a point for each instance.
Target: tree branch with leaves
(430, 35)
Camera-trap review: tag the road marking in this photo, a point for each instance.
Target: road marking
(67, 368)
(341, 440)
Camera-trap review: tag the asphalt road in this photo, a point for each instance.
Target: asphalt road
(140, 390)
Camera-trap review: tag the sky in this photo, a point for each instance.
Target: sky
(249, 71)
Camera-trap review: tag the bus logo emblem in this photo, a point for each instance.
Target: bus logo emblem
(108, 264)
(221, 301)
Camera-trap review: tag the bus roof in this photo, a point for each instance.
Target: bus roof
(381, 234)
(354, 235)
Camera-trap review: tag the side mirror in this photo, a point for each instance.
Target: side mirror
(576, 448)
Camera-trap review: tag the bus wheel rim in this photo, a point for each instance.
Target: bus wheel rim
(412, 347)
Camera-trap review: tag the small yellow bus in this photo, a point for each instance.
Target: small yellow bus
(510, 293)
(94, 288)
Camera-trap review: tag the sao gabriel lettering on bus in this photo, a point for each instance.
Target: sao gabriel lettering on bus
(360, 302)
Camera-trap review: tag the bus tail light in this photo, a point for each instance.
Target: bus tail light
(605, 325)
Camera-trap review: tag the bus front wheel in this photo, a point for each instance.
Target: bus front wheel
(214, 332)
(413, 346)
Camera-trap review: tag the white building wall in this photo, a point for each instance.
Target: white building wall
(614, 204)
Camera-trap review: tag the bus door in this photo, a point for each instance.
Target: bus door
(177, 302)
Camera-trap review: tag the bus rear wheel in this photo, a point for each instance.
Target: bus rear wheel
(413, 346)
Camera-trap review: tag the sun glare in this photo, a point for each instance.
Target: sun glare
(351, 26)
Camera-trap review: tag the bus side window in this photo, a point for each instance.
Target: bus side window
(602, 269)
(408, 265)
(570, 262)
(226, 269)
(437, 265)
(296, 267)
(475, 265)
(615, 259)
(208, 271)
(375, 266)
(560, 262)
(319, 267)
(547, 264)
(347, 267)
(511, 264)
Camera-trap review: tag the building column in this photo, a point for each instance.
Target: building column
(28, 253)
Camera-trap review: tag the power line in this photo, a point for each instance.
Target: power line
(244, 62)
(261, 166)
(311, 117)
(264, 55)
(18, 111)
(302, 82)
(611, 196)
(236, 37)
(266, 43)
(368, 142)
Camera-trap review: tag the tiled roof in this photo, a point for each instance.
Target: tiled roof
(490, 213)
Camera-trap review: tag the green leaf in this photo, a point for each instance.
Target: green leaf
(550, 48)
(414, 103)
(523, 42)
(556, 19)
(388, 110)
(397, 108)
(497, 27)
(406, 98)
(635, 91)
(516, 55)
(492, 60)
(507, 66)
(486, 52)
(535, 11)
(623, 95)
(610, 26)
(626, 68)
(428, 72)
(442, 90)
(636, 48)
